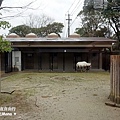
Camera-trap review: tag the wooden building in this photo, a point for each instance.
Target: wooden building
(57, 54)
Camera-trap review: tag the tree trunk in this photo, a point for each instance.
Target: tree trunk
(117, 32)
(115, 79)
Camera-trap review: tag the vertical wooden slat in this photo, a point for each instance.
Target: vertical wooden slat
(118, 81)
(111, 76)
(0, 72)
(100, 61)
(115, 79)
(115, 71)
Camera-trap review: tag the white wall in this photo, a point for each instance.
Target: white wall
(16, 59)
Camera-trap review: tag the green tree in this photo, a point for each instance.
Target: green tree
(21, 30)
(55, 27)
(112, 14)
(92, 23)
(5, 46)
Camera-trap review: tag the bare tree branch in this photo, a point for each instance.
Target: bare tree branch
(10, 7)
(1, 2)
(16, 15)
(25, 8)
(22, 7)
(36, 21)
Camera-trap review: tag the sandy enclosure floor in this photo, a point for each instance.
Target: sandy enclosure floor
(58, 96)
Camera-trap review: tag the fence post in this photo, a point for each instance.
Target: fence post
(115, 79)
(0, 73)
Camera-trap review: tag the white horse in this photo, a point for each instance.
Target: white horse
(83, 66)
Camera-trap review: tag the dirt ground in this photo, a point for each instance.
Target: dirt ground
(58, 96)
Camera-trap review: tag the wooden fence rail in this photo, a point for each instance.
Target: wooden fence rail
(115, 79)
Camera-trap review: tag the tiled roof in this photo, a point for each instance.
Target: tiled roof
(81, 39)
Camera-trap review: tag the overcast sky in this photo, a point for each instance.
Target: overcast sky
(56, 9)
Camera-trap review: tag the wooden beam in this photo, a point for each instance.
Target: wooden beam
(61, 45)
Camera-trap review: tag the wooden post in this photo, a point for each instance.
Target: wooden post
(0, 72)
(115, 79)
(100, 60)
